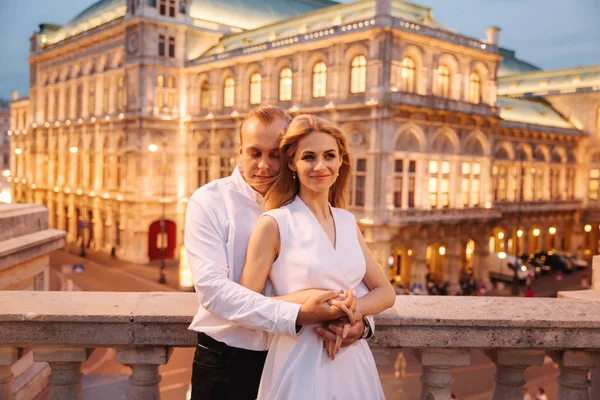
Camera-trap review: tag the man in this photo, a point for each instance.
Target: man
(526, 395)
(233, 322)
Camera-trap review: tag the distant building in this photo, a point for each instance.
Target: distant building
(5, 195)
(444, 172)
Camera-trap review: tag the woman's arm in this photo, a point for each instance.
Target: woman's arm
(382, 295)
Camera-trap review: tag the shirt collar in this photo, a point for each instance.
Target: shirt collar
(243, 187)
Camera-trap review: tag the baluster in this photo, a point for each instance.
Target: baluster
(144, 380)
(510, 370)
(575, 365)
(8, 356)
(436, 380)
(65, 371)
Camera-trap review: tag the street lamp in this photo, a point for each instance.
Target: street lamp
(153, 149)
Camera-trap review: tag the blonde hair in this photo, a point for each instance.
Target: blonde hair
(285, 188)
(265, 114)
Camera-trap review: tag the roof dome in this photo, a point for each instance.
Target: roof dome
(511, 65)
(99, 13)
(250, 14)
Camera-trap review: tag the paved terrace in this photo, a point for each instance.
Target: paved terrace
(63, 328)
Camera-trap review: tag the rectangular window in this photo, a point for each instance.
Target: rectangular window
(172, 8)
(160, 100)
(359, 182)
(106, 95)
(202, 171)
(56, 105)
(152, 3)
(92, 98)
(433, 187)
(445, 191)
(162, 7)
(161, 45)
(594, 183)
(226, 166)
(465, 190)
(571, 183)
(398, 167)
(171, 46)
(67, 102)
(475, 184)
(502, 183)
(121, 93)
(79, 101)
(495, 183)
(539, 185)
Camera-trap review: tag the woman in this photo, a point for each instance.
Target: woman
(307, 240)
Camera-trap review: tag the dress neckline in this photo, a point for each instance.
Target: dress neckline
(314, 217)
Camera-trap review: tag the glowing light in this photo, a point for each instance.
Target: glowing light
(18, 150)
(44, 39)
(500, 235)
(73, 149)
(78, 191)
(107, 118)
(120, 197)
(92, 193)
(502, 255)
(366, 221)
(536, 232)
(587, 228)
(409, 252)
(121, 116)
(6, 173)
(552, 230)
(93, 119)
(153, 147)
(33, 186)
(442, 250)
(55, 189)
(105, 195)
(34, 125)
(67, 190)
(519, 233)
(523, 268)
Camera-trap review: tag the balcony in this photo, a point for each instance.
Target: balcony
(538, 206)
(63, 328)
(401, 217)
(440, 103)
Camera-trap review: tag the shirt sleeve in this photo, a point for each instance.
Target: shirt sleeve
(205, 242)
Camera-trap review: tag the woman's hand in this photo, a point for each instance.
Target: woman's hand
(333, 340)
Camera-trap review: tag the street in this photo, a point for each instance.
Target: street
(104, 378)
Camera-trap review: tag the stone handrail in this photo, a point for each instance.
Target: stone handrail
(63, 328)
(406, 216)
(539, 205)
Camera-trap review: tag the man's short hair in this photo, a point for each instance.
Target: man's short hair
(266, 115)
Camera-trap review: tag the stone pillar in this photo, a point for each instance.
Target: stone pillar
(480, 263)
(143, 382)
(418, 265)
(8, 356)
(573, 382)
(510, 370)
(453, 256)
(436, 380)
(65, 371)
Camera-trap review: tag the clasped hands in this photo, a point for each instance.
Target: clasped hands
(344, 330)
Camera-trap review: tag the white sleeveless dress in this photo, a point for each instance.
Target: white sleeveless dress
(297, 367)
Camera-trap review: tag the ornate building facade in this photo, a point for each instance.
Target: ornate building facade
(134, 105)
(5, 196)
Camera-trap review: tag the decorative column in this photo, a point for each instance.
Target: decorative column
(453, 257)
(65, 371)
(436, 379)
(418, 268)
(510, 370)
(8, 356)
(480, 263)
(573, 382)
(143, 382)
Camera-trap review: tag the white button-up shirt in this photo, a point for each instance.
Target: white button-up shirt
(220, 218)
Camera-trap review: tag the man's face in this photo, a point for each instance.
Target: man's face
(259, 152)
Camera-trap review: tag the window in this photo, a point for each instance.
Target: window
(106, 95)
(433, 183)
(165, 91)
(227, 166)
(92, 167)
(285, 84)
(408, 75)
(161, 45)
(152, 3)
(539, 186)
(474, 88)
(598, 120)
(475, 184)
(404, 182)
(172, 8)
(55, 105)
(357, 189)
(358, 75)
(47, 105)
(120, 93)
(443, 81)
(204, 96)
(228, 92)
(92, 98)
(79, 101)
(171, 46)
(202, 171)
(570, 183)
(162, 7)
(439, 183)
(255, 88)
(554, 183)
(593, 183)
(319, 80)
(445, 187)
(67, 102)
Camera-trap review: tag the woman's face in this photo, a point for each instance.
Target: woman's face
(317, 161)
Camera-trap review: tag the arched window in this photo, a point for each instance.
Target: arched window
(319, 80)
(408, 75)
(204, 96)
(255, 88)
(160, 80)
(443, 81)
(474, 88)
(228, 92)
(285, 84)
(358, 75)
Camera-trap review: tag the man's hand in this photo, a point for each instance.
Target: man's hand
(329, 331)
(318, 309)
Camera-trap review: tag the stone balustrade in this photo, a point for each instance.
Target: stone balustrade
(63, 328)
